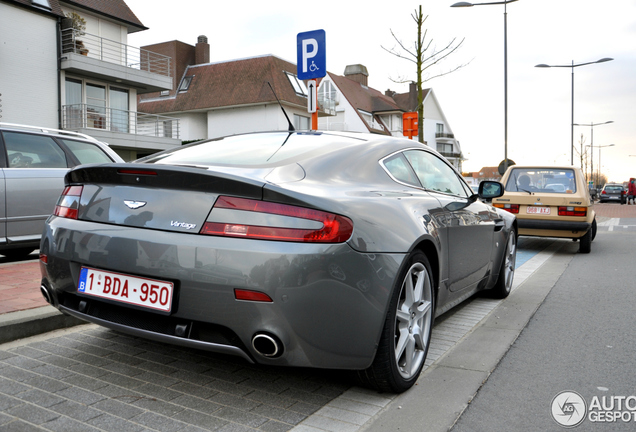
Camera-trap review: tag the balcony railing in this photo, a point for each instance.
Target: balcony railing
(450, 154)
(97, 117)
(108, 50)
(327, 105)
(444, 135)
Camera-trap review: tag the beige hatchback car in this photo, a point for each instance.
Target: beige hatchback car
(550, 202)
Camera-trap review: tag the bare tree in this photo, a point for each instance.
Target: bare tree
(424, 56)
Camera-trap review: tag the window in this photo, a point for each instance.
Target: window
(327, 96)
(167, 128)
(445, 149)
(541, 180)
(119, 110)
(401, 170)
(250, 150)
(434, 173)
(185, 83)
(33, 151)
(439, 128)
(299, 86)
(44, 4)
(302, 122)
(73, 108)
(86, 152)
(96, 106)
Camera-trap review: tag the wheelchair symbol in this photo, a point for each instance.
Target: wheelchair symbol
(313, 67)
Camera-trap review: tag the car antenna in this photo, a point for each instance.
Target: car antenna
(291, 126)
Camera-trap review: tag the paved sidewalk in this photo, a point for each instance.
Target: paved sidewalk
(19, 286)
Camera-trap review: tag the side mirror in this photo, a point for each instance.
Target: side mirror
(490, 189)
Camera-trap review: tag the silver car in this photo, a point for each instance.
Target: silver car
(311, 249)
(33, 162)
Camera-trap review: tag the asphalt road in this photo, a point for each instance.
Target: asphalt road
(581, 339)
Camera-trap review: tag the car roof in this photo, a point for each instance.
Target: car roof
(47, 131)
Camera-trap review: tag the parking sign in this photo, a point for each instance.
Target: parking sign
(312, 58)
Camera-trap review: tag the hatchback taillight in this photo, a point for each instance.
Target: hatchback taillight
(512, 208)
(249, 219)
(603, 193)
(68, 204)
(573, 211)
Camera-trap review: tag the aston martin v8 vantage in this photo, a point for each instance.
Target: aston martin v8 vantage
(312, 249)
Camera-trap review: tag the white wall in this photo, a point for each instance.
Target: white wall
(232, 121)
(192, 126)
(28, 67)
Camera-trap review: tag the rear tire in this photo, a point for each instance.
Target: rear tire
(503, 286)
(594, 229)
(585, 243)
(407, 330)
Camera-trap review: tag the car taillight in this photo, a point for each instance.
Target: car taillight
(573, 211)
(512, 208)
(603, 193)
(288, 226)
(68, 204)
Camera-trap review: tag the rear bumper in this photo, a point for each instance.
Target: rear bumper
(329, 301)
(557, 228)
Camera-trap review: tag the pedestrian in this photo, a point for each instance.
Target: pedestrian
(631, 192)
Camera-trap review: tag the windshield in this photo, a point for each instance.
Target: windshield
(544, 180)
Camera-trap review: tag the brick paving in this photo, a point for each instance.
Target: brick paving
(615, 210)
(20, 287)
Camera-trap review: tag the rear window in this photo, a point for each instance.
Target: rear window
(258, 149)
(544, 180)
(613, 188)
(87, 152)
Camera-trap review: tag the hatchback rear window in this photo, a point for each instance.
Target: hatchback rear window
(544, 180)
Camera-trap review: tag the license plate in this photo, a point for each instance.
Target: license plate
(538, 210)
(149, 293)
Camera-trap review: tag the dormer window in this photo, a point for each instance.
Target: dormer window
(298, 85)
(43, 4)
(185, 84)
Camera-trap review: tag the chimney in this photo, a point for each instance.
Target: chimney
(389, 93)
(202, 51)
(357, 73)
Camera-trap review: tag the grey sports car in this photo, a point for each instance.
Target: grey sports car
(312, 249)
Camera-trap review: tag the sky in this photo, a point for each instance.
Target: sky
(553, 32)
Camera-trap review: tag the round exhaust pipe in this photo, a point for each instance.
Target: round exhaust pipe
(45, 294)
(267, 345)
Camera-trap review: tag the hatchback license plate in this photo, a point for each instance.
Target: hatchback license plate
(538, 210)
(149, 293)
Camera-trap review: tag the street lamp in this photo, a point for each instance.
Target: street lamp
(591, 125)
(598, 177)
(505, 3)
(606, 59)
